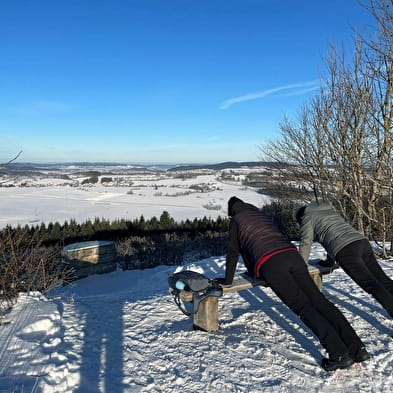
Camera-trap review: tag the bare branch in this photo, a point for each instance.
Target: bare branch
(9, 162)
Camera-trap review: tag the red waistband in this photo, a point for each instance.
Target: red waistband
(262, 260)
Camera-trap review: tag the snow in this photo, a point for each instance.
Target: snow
(121, 332)
(150, 197)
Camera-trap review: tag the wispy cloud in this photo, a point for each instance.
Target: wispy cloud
(302, 91)
(292, 89)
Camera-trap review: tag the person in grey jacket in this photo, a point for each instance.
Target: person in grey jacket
(352, 251)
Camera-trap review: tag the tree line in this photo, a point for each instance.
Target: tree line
(31, 256)
(103, 229)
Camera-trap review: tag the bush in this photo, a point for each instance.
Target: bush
(140, 252)
(282, 213)
(26, 265)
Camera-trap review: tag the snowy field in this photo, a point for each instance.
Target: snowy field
(150, 197)
(121, 333)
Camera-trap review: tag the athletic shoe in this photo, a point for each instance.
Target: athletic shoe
(343, 361)
(361, 355)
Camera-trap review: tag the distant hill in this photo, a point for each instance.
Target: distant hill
(30, 168)
(31, 165)
(223, 165)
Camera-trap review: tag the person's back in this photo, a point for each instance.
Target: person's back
(322, 224)
(253, 225)
(256, 235)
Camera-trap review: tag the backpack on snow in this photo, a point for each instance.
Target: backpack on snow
(196, 283)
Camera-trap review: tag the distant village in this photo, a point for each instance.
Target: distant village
(135, 177)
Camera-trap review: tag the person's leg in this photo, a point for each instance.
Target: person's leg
(277, 273)
(325, 307)
(350, 258)
(374, 267)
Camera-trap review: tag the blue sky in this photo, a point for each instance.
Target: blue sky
(169, 81)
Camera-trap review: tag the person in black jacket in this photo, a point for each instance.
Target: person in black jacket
(269, 255)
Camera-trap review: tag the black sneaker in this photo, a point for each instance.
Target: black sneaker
(361, 355)
(343, 361)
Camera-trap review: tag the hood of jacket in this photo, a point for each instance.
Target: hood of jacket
(299, 213)
(318, 207)
(236, 205)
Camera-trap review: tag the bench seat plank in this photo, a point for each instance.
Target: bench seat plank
(244, 281)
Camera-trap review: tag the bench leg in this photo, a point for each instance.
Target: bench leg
(207, 316)
(317, 278)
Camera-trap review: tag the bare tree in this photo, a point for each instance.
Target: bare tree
(342, 139)
(378, 68)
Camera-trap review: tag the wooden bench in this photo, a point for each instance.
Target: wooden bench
(206, 317)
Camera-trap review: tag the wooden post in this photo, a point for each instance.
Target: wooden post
(317, 278)
(207, 316)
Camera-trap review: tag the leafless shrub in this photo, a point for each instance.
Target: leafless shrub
(141, 252)
(26, 266)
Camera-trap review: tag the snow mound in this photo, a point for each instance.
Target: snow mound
(39, 330)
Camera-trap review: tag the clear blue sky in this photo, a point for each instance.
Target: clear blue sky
(168, 81)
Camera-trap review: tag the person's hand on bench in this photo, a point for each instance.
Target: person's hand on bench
(326, 263)
(222, 282)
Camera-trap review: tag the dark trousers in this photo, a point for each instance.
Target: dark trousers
(288, 276)
(358, 261)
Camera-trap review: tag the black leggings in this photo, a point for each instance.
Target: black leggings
(288, 276)
(358, 261)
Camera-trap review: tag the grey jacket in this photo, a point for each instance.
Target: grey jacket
(322, 224)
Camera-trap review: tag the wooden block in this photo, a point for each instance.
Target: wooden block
(207, 316)
(317, 278)
(317, 271)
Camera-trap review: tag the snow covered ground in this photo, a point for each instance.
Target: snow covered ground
(121, 333)
(150, 197)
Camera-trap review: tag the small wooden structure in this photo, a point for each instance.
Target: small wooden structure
(92, 257)
(206, 317)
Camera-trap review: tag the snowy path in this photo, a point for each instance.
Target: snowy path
(121, 333)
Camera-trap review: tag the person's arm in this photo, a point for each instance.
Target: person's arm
(233, 253)
(306, 240)
(328, 262)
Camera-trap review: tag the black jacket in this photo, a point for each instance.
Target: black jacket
(253, 235)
